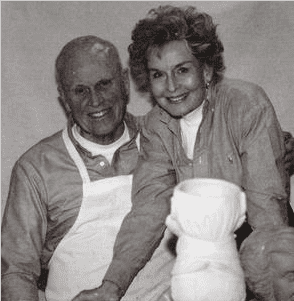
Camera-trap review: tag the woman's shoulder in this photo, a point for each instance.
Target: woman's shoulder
(234, 85)
(241, 92)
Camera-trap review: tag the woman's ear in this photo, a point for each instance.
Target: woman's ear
(207, 73)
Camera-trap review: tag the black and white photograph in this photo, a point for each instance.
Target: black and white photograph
(147, 150)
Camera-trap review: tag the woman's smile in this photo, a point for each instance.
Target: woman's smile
(178, 99)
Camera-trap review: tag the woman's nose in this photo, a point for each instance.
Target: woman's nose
(171, 84)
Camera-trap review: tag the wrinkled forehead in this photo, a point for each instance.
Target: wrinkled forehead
(96, 62)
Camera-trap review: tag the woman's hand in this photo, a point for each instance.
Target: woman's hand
(108, 291)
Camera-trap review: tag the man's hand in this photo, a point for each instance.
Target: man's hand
(289, 157)
(108, 291)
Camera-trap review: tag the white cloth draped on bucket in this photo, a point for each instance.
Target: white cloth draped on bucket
(205, 213)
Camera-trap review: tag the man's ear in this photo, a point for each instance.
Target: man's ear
(126, 80)
(63, 102)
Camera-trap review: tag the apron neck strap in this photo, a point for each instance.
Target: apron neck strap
(75, 156)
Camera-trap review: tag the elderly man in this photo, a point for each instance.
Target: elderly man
(267, 258)
(69, 192)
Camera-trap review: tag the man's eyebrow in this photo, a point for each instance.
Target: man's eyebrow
(103, 80)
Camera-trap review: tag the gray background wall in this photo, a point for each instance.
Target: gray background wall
(258, 38)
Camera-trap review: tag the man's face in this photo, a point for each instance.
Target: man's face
(283, 276)
(95, 91)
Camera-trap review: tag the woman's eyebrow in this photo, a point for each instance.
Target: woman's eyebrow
(176, 66)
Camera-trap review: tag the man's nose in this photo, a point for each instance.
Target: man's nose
(96, 98)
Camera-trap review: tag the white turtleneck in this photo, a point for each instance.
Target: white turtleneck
(97, 149)
(189, 127)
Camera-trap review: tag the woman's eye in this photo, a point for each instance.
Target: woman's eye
(290, 276)
(183, 70)
(155, 75)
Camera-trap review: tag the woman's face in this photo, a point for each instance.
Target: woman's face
(177, 79)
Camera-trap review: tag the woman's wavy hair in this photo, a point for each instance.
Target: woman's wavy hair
(168, 23)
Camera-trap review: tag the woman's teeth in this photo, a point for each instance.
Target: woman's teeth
(178, 98)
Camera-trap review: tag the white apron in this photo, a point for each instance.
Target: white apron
(83, 255)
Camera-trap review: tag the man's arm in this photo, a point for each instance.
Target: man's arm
(23, 231)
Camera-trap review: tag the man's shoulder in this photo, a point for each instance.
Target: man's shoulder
(45, 147)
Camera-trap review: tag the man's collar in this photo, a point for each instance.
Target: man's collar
(130, 120)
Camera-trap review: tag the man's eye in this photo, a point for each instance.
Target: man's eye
(81, 91)
(106, 82)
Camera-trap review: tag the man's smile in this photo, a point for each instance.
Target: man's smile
(99, 114)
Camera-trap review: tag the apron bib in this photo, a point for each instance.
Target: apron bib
(82, 257)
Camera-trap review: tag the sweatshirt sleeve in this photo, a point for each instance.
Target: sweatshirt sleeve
(23, 234)
(262, 150)
(144, 226)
